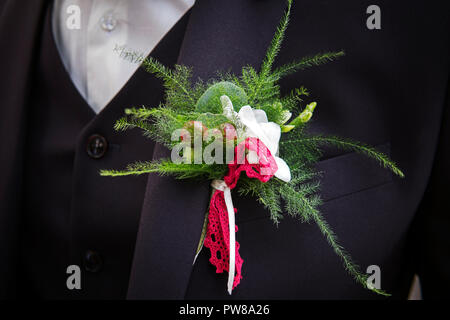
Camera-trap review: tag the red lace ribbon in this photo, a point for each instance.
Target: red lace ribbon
(217, 234)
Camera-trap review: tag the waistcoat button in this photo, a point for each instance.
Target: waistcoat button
(92, 261)
(96, 146)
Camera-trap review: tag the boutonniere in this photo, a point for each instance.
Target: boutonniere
(240, 133)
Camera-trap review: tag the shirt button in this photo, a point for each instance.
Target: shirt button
(108, 22)
(92, 261)
(96, 146)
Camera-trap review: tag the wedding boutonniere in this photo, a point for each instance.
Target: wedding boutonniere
(218, 129)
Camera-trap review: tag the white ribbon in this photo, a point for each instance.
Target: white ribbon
(222, 186)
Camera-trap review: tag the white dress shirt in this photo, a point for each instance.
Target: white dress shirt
(87, 48)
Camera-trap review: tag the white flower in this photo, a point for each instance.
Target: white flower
(286, 116)
(254, 123)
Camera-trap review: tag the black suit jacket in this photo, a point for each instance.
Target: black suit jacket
(389, 91)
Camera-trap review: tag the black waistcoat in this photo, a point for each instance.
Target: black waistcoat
(70, 215)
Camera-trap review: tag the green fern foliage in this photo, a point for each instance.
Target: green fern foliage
(307, 62)
(168, 168)
(347, 144)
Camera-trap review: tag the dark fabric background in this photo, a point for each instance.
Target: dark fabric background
(389, 91)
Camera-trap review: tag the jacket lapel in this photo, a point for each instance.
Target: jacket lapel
(221, 35)
(20, 26)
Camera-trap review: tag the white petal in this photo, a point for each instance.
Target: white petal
(272, 135)
(269, 133)
(246, 115)
(286, 116)
(260, 115)
(283, 172)
(227, 107)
